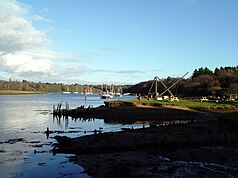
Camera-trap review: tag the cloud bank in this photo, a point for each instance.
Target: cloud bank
(23, 49)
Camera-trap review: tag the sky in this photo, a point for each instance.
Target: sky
(114, 42)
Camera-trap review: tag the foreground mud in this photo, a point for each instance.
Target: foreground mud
(200, 149)
(144, 164)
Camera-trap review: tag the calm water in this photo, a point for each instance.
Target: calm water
(25, 150)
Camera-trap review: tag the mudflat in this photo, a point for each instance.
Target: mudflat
(202, 149)
(203, 143)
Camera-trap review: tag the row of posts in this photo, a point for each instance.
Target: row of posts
(58, 109)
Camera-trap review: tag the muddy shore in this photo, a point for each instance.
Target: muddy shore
(115, 112)
(203, 149)
(181, 142)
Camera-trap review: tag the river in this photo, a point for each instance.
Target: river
(25, 151)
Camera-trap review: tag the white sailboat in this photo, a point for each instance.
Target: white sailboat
(106, 95)
(76, 92)
(118, 94)
(67, 92)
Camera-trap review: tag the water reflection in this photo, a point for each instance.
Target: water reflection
(152, 122)
(84, 126)
(24, 143)
(25, 146)
(126, 121)
(65, 120)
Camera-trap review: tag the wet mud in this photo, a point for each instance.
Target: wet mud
(203, 149)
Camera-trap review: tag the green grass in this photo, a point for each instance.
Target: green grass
(191, 104)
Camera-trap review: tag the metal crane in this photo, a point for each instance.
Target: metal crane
(155, 82)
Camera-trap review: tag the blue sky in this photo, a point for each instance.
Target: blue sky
(115, 42)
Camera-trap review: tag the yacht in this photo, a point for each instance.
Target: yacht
(67, 92)
(106, 95)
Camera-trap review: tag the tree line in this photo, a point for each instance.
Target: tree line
(221, 82)
(46, 87)
(25, 85)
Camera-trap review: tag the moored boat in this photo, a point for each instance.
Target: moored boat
(106, 95)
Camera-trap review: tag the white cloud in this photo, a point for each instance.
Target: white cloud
(21, 63)
(40, 18)
(16, 31)
(24, 49)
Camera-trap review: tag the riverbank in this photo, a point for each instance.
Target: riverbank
(195, 105)
(202, 149)
(18, 92)
(128, 111)
(203, 142)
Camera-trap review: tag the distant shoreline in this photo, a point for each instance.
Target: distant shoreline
(17, 92)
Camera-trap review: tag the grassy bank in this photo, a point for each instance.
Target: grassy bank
(186, 104)
(150, 110)
(226, 111)
(17, 92)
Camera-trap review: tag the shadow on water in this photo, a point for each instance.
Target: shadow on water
(65, 119)
(125, 121)
(152, 121)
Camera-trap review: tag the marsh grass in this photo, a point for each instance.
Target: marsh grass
(17, 92)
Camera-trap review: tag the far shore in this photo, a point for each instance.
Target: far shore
(18, 92)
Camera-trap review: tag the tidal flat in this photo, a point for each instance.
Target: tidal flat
(200, 149)
(206, 146)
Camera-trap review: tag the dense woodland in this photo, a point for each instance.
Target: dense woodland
(221, 82)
